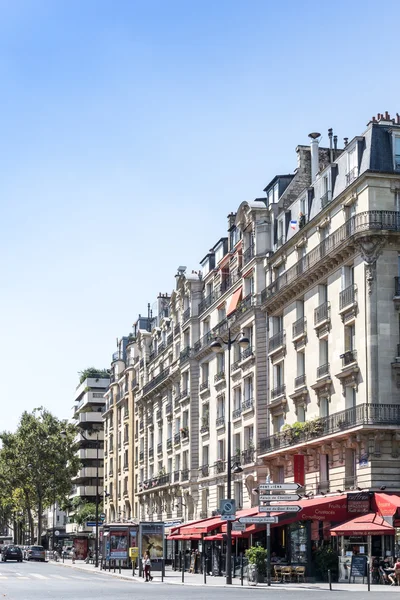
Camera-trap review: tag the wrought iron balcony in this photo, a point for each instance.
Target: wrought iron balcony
(323, 370)
(185, 354)
(351, 175)
(156, 381)
(278, 391)
(326, 198)
(248, 456)
(349, 357)
(185, 473)
(219, 466)
(367, 415)
(347, 297)
(247, 404)
(205, 428)
(236, 365)
(237, 413)
(184, 394)
(204, 385)
(207, 301)
(300, 381)
(276, 341)
(205, 470)
(322, 313)
(219, 376)
(177, 438)
(203, 342)
(373, 220)
(247, 353)
(299, 327)
(220, 421)
(248, 254)
(186, 315)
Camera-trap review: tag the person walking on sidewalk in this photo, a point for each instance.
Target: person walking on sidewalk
(73, 554)
(147, 567)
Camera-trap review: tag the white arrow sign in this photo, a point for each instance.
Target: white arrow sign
(279, 486)
(279, 497)
(227, 517)
(238, 526)
(277, 508)
(258, 520)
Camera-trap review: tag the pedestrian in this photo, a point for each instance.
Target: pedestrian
(143, 565)
(73, 554)
(397, 570)
(147, 567)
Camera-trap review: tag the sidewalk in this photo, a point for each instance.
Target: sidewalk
(175, 578)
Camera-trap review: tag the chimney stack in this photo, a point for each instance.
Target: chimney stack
(335, 142)
(314, 146)
(346, 141)
(330, 135)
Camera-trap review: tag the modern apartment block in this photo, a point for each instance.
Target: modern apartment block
(87, 416)
(332, 301)
(118, 430)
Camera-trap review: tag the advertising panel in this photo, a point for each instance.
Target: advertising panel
(118, 544)
(81, 548)
(152, 539)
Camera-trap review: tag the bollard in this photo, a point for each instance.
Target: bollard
(162, 569)
(241, 569)
(183, 569)
(114, 564)
(330, 579)
(119, 566)
(204, 569)
(368, 578)
(133, 567)
(63, 556)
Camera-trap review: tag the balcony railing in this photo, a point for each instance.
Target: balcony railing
(203, 342)
(299, 381)
(207, 301)
(322, 313)
(237, 413)
(168, 408)
(169, 443)
(248, 456)
(204, 385)
(236, 365)
(248, 254)
(156, 381)
(204, 470)
(159, 448)
(360, 415)
(351, 175)
(177, 438)
(185, 354)
(219, 466)
(349, 357)
(299, 327)
(347, 296)
(219, 376)
(185, 475)
(247, 404)
(376, 220)
(176, 475)
(247, 353)
(220, 421)
(278, 391)
(276, 341)
(205, 428)
(326, 198)
(323, 370)
(186, 315)
(184, 394)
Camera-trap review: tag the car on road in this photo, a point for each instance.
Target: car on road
(12, 553)
(36, 553)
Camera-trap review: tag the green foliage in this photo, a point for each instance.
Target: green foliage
(257, 555)
(92, 372)
(326, 558)
(311, 428)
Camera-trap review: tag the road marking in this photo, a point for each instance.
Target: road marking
(38, 576)
(59, 577)
(2, 577)
(77, 577)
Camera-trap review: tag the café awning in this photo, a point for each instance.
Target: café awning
(370, 524)
(234, 301)
(387, 504)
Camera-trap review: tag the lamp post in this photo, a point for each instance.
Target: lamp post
(217, 347)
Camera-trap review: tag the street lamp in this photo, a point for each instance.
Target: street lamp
(219, 345)
(64, 433)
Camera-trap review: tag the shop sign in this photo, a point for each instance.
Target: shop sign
(359, 502)
(299, 469)
(363, 461)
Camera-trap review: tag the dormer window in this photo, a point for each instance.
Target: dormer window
(352, 166)
(396, 146)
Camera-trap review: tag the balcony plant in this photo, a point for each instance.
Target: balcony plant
(184, 431)
(250, 445)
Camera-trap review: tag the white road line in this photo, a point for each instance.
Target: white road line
(59, 577)
(77, 577)
(38, 576)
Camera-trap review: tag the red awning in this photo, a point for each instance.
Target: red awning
(234, 301)
(371, 524)
(183, 538)
(387, 504)
(203, 526)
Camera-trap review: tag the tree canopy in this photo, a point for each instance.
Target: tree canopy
(92, 372)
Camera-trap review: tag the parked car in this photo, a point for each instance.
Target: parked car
(36, 553)
(12, 553)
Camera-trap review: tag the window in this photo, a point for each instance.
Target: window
(220, 494)
(206, 326)
(177, 462)
(248, 434)
(205, 455)
(278, 422)
(350, 468)
(186, 459)
(204, 372)
(185, 381)
(323, 473)
(185, 419)
(276, 193)
(248, 333)
(397, 153)
(249, 286)
(352, 165)
(351, 397)
(220, 407)
(278, 375)
(220, 362)
(160, 435)
(323, 352)
(349, 337)
(301, 413)
(322, 293)
(221, 450)
(204, 500)
(237, 398)
(234, 237)
(221, 313)
(280, 474)
(301, 364)
(324, 407)
(248, 388)
(347, 276)
(238, 494)
(236, 444)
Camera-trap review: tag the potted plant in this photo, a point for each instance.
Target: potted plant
(184, 431)
(257, 556)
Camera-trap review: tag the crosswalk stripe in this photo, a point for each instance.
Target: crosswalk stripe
(77, 577)
(59, 577)
(38, 576)
(2, 577)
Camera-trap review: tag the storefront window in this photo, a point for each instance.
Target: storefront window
(298, 543)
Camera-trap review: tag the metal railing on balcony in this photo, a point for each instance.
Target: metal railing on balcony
(323, 370)
(177, 328)
(219, 376)
(177, 438)
(247, 404)
(205, 428)
(299, 327)
(219, 466)
(326, 198)
(220, 421)
(151, 452)
(186, 315)
(156, 381)
(236, 365)
(185, 473)
(247, 353)
(205, 470)
(347, 297)
(349, 357)
(300, 381)
(322, 313)
(159, 415)
(351, 175)
(204, 385)
(360, 415)
(248, 254)
(169, 443)
(373, 220)
(184, 394)
(207, 301)
(248, 456)
(185, 354)
(237, 413)
(168, 408)
(279, 390)
(159, 448)
(203, 342)
(276, 341)
(176, 475)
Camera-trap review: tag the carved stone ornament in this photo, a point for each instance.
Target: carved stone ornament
(371, 248)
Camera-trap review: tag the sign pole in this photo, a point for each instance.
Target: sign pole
(268, 546)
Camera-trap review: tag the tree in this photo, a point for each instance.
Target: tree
(39, 461)
(92, 372)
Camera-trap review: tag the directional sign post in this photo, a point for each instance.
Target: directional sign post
(267, 520)
(278, 508)
(279, 486)
(279, 497)
(238, 526)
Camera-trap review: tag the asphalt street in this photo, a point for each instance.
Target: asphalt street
(34, 581)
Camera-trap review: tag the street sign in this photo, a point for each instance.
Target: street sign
(93, 524)
(102, 516)
(279, 486)
(228, 517)
(238, 526)
(258, 520)
(277, 508)
(227, 507)
(56, 533)
(279, 497)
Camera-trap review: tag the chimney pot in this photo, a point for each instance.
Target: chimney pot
(398, 118)
(379, 116)
(335, 142)
(346, 141)
(387, 116)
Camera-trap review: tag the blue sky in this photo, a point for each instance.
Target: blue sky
(130, 130)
